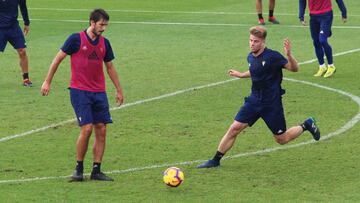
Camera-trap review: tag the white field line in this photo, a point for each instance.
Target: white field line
(54, 125)
(168, 12)
(183, 24)
(344, 128)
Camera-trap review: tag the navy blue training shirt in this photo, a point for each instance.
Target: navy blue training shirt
(266, 75)
(9, 12)
(72, 45)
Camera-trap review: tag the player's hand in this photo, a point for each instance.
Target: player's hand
(287, 46)
(45, 88)
(119, 98)
(344, 20)
(303, 22)
(26, 29)
(234, 73)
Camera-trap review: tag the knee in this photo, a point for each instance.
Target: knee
(323, 42)
(100, 127)
(22, 52)
(236, 128)
(100, 131)
(281, 139)
(86, 130)
(316, 43)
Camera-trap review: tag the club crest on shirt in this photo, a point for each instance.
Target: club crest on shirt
(84, 48)
(263, 63)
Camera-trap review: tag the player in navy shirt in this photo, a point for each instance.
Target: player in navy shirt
(265, 100)
(10, 31)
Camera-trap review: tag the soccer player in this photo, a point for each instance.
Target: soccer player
(10, 31)
(89, 50)
(265, 100)
(271, 18)
(321, 17)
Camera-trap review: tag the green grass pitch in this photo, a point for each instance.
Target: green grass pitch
(165, 46)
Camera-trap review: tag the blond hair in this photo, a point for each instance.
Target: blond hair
(258, 31)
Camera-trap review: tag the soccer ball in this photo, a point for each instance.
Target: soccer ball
(173, 176)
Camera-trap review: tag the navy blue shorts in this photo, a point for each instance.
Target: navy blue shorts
(90, 107)
(321, 24)
(14, 35)
(272, 114)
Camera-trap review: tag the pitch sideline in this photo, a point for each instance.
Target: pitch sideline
(169, 12)
(185, 24)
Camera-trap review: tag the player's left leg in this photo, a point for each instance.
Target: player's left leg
(259, 12)
(98, 152)
(99, 143)
(101, 118)
(315, 32)
(325, 33)
(271, 12)
(24, 64)
(17, 40)
(289, 135)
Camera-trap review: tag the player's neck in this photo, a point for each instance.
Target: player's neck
(91, 34)
(256, 54)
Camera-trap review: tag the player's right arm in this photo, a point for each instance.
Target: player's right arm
(71, 46)
(45, 88)
(302, 6)
(239, 74)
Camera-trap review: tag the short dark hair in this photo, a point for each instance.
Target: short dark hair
(98, 14)
(258, 31)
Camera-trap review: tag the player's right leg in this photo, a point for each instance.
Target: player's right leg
(247, 116)
(3, 39)
(225, 145)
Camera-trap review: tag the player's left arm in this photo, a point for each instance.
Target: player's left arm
(292, 65)
(111, 70)
(25, 15)
(342, 8)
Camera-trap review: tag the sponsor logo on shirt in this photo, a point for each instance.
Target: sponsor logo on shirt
(93, 56)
